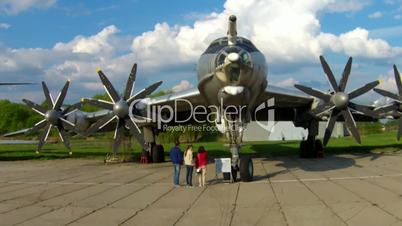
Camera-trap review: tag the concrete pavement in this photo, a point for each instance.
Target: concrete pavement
(335, 190)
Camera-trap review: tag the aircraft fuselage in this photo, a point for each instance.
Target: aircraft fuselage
(232, 74)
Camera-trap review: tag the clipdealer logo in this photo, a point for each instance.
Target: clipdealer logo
(142, 111)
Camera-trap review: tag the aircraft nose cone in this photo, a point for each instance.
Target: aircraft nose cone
(233, 57)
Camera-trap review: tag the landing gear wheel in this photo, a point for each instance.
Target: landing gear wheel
(234, 173)
(161, 153)
(303, 149)
(311, 150)
(158, 154)
(246, 169)
(319, 149)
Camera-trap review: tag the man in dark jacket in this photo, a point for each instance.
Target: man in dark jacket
(177, 159)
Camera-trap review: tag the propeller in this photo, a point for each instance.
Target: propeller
(338, 102)
(397, 97)
(119, 107)
(54, 116)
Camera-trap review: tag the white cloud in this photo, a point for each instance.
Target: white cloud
(347, 5)
(288, 33)
(4, 26)
(398, 17)
(183, 85)
(375, 15)
(386, 32)
(290, 82)
(90, 45)
(358, 44)
(12, 7)
(388, 82)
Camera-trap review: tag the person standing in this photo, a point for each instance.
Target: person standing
(189, 162)
(201, 164)
(177, 160)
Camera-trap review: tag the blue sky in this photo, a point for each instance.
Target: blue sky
(67, 19)
(54, 40)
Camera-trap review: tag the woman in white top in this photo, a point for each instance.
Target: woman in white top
(189, 162)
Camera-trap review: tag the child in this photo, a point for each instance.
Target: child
(201, 164)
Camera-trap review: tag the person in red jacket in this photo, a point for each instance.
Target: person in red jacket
(201, 165)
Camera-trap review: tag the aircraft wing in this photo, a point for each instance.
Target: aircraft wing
(181, 99)
(285, 97)
(285, 101)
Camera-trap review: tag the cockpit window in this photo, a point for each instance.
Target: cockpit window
(221, 58)
(221, 43)
(245, 57)
(232, 49)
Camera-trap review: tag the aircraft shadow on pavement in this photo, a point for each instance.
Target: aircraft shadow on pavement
(287, 159)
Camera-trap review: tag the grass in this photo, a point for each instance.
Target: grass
(97, 148)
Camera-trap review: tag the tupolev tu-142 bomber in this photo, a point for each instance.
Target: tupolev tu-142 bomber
(263, 112)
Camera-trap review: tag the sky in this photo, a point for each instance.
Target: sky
(56, 40)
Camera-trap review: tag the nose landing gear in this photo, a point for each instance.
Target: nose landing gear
(233, 127)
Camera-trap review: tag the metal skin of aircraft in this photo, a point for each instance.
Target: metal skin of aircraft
(232, 78)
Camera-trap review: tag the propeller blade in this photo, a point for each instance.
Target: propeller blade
(114, 96)
(345, 75)
(67, 124)
(398, 80)
(61, 96)
(39, 109)
(399, 130)
(48, 96)
(141, 119)
(313, 92)
(322, 108)
(38, 126)
(363, 109)
(44, 136)
(386, 109)
(330, 126)
(145, 92)
(387, 94)
(64, 137)
(130, 82)
(136, 132)
(119, 125)
(350, 122)
(72, 108)
(329, 74)
(362, 90)
(117, 135)
(100, 124)
(98, 103)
